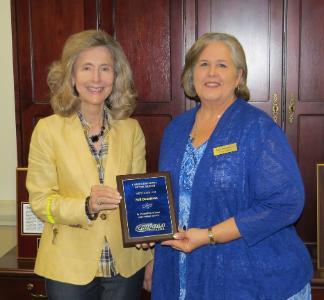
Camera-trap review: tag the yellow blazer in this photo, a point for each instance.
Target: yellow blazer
(61, 171)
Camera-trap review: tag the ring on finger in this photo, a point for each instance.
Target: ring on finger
(98, 201)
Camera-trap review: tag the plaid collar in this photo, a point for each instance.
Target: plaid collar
(86, 125)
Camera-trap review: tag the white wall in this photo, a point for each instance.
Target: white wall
(8, 148)
(8, 152)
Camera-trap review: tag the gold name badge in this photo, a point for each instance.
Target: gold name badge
(225, 149)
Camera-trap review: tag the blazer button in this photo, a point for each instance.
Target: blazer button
(103, 217)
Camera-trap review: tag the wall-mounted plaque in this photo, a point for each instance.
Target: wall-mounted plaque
(29, 227)
(30, 223)
(147, 209)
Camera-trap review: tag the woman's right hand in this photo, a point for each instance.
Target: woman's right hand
(103, 197)
(188, 240)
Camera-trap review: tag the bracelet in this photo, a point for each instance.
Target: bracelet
(211, 236)
(91, 216)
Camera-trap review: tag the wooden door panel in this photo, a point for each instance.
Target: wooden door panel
(64, 21)
(258, 26)
(143, 29)
(310, 151)
(311, 81)
(150, 33)
(305, 99)
(40, 29)
(153, 126)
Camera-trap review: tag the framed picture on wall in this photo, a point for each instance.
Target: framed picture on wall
(29, 227)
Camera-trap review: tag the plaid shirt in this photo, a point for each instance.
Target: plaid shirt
(106, 266)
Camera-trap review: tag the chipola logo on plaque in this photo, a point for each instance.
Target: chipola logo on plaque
(149, 227)
(146, 208)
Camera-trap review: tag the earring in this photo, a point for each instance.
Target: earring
(238, 89)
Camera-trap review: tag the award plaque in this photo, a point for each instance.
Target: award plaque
(146, 209)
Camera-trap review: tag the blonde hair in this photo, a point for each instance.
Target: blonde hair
(194, 52)
(64, 100)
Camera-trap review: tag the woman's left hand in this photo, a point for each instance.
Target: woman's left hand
(103, 197)
(189, 240)
(147, 284)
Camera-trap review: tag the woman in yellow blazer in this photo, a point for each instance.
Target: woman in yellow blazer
(74, 158)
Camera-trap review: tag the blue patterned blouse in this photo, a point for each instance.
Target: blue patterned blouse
(189, 165)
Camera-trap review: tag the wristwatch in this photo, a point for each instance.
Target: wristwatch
(211, 236)
(91, 216)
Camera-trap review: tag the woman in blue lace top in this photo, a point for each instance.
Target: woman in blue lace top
(237, 187)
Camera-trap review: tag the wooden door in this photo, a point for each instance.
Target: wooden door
(304, 114)
(151, 33)
(284, 42)
(258, 26)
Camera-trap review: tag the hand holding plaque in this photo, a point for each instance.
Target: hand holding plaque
(147, 209)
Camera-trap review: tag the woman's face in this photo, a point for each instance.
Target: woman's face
(215, 76)
(93, 76)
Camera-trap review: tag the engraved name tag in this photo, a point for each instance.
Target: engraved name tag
(225, 149)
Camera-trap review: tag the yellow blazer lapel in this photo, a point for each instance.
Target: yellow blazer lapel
(82, 151)
(114, 154)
